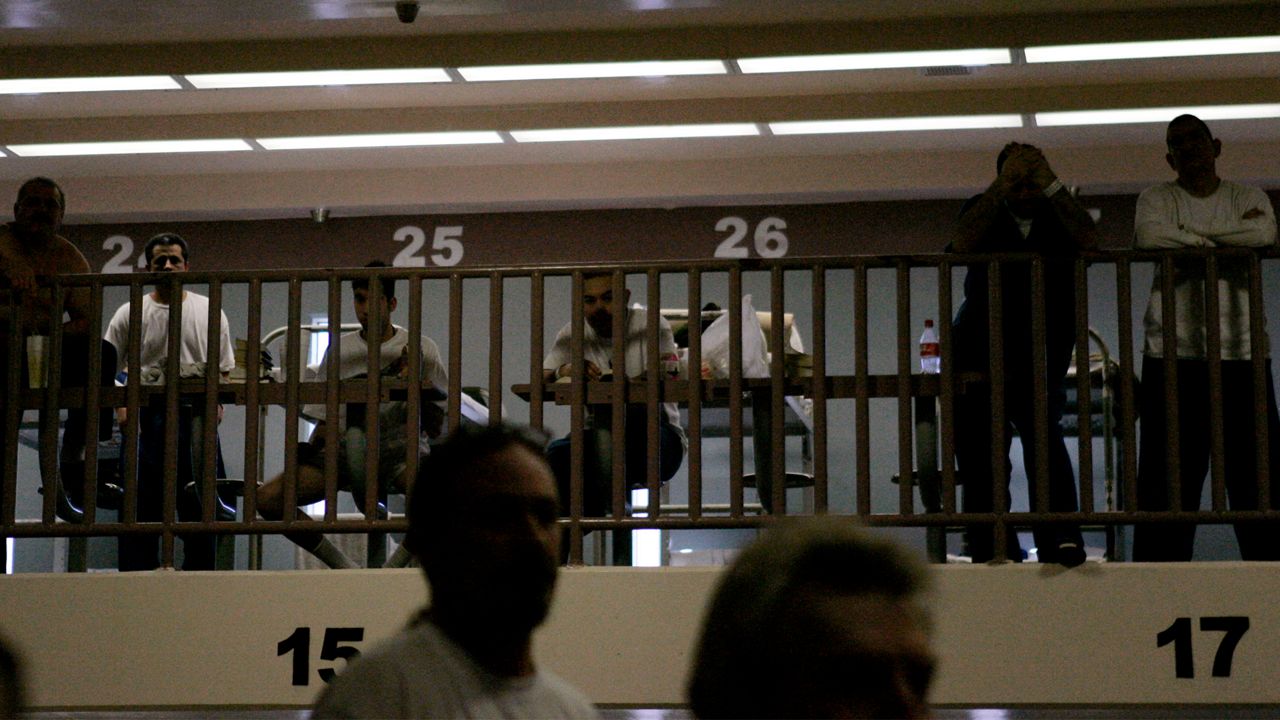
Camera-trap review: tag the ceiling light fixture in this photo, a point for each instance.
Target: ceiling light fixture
(577, 71)
(313, 78)
(35, 86)
(875, 61)
(384, 140)
(140, 147)
(1153, 49)
(873, 125)
(1157, 115)
(644, 132)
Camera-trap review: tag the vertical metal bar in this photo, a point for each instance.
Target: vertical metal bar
(818, 388)
(333, 404)
(946, 388)
(862, 386)
(49, 411)
(212, 377)
(537, 331)
(906, 493)
(1173, 460)
(734, 309)
(777, 398)
(15, 392)
(373, 395)
(653, 395)
(133, 404)
(1213, 364)
(577, 418)
(252, 409)
(621, 323)
(293, 351)
(694, 365)
(495, 347)
(92, 403)
(1128, 409)
(1084, 385)
(455, 351)
(413, 403)
(1039, 388)
(1258, 353)
(172, 411)
(999, 419)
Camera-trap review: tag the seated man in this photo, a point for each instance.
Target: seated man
(353, 362)
(597, 338)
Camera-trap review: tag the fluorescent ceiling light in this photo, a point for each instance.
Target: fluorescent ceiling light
(874, 61)
(32, 86)
(1157, 115)
(568, 71)
(941, 122)
(318, 77)
(1155, 49)
(484, 137)
(142, 147)
(646, 132)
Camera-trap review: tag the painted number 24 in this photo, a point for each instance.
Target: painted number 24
(299, 643)
(770, 240)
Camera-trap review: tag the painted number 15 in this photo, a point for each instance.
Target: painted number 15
(299, 643)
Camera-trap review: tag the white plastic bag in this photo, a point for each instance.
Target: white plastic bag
(715, 345)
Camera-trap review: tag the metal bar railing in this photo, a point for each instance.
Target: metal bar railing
(857, 444)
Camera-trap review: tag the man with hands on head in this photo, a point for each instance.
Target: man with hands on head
(1201, 210)
(1026, 209)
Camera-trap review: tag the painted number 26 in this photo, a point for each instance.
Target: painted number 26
(770, 240)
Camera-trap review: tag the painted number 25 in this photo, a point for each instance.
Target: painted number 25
(770, 240)
(447, 242)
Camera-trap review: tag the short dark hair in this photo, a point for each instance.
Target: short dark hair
(442, 473)
(1189, 119)
(740, 631)
(166, 238)
(388, 285)
(40, 181)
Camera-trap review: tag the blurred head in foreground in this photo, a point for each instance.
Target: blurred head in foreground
(816, 619)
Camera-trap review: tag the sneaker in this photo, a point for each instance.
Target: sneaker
(1070, 554)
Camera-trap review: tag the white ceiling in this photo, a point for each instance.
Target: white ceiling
(59, 38)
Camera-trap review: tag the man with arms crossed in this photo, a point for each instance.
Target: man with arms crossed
(1197, 210)
(168, 253)
(482, 523)
(353, 362)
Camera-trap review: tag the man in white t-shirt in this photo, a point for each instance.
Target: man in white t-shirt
(1201, 210)
(394, 440)
(482, 523)
(168, 252)
(599, 305)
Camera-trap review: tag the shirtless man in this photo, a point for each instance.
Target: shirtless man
(32, 253)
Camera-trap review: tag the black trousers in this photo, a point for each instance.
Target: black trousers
(973, 418)
(1174, 542)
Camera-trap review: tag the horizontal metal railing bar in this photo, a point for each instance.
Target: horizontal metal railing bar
(231, 393)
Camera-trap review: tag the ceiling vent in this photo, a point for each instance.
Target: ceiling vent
(943, 70)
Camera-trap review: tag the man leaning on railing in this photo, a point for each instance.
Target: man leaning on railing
(1201, 210)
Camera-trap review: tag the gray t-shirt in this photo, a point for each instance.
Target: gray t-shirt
(421, 673)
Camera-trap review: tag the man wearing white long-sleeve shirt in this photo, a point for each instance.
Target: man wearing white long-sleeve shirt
(1199, 209)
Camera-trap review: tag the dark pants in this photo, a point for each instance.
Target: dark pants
(597, 487)
(69, 484)
(973, 419)
(141, 552)
(1174, 542)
